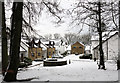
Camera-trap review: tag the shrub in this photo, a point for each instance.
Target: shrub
(21, 65)
(27, 62)
(64, 54)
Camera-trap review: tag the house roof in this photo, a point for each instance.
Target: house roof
(23, 46)
(24, 43)
(78, 42)
(105, 35)
(43, 47)
(23, 49)
(113, 34)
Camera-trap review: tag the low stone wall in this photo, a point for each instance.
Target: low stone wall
(54, 63)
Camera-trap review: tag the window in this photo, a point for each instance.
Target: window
(74, 47)
(38, 54)
(32, 54)
(49, 53)
(80, 47)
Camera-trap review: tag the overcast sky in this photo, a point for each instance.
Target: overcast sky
(45, 26)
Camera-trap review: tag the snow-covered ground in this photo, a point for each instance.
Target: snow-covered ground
(77, 70)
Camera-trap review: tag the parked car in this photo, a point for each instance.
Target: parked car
(86, 56)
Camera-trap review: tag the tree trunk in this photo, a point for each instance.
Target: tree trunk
(118, 63)
(101, 64)
(16, 28)
(4, 42)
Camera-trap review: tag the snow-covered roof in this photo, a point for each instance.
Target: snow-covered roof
(87, 47)
(94, 38)
(43, 47)
(69, 47)
(105, 35)
(45, 42)
(56, 47)
(23, 49)
(57, 41)
(23, 45)
(109, 35)
(78, 42)
(63, 43)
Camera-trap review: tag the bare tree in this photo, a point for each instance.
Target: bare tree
(118, 62)
(72, 38)
(16, 29)
(57, 36)
(33, 10)
(96, 15)
(17, 21)
(48, 36)
(114, 14)
(85, 39)
(4, 42)
(100, 38)
(69, 37)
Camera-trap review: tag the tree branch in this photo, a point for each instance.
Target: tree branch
(51, 11)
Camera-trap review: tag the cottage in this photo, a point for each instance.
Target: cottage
(50, 52)
(23, 49)
(110, 47)
(50, 49)
(35, 50)
(44, 50)
(62, 48)
(35, 53)
(68, 49)
(87, 49)
(94, 42)
(77, 48)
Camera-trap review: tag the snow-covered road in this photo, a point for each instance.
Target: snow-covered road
(78, 70)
